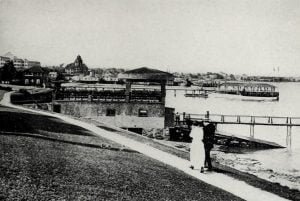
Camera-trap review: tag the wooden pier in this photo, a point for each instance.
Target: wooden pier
(252, 121)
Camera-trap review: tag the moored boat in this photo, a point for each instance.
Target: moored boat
(201, 95)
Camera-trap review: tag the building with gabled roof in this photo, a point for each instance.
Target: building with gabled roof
(149, 74)
(34, 76)
(136, 108)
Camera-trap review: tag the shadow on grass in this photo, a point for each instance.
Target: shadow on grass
(32, 123)
(107, 128)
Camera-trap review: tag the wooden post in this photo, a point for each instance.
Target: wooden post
(128, 90)
(252, 130)
(289, 133)
(53, 99)
(207, 115)
(163, 91)
(270, 120)
(289, 137)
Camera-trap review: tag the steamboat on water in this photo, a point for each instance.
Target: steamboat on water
(248, 91)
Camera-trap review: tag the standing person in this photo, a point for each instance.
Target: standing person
(177, 118)
(188, 122)
(196, 149)
(208, 141)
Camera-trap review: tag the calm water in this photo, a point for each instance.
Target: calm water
(284, 164)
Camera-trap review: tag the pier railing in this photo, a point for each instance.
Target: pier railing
(248, 119)
(109, 96)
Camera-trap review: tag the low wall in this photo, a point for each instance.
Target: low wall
(126, 114)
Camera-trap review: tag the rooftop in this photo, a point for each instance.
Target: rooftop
(145, 74)
(35, 69)
(9, 55)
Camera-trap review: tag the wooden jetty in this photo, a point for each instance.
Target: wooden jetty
(252, 121)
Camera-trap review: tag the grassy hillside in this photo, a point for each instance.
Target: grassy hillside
(34, 168)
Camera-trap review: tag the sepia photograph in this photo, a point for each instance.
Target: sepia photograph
(136, 100)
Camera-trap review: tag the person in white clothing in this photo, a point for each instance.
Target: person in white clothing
(197, 152)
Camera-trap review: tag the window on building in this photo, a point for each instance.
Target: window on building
(143, 113)
(110, 112)
(26, 81)
(38, 81)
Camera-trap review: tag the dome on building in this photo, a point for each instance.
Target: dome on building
(77, 67)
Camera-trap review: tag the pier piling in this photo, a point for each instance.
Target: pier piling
(289, 137)
(252, 130)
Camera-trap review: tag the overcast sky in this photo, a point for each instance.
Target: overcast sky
(233, 36)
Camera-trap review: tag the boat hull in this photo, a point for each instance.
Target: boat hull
(244, 97)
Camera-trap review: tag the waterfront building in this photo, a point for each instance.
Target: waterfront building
(239, 87)
(139, 108)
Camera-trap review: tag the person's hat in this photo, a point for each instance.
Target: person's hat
(206, 121)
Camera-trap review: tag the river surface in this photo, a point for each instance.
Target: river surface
(276, 165)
